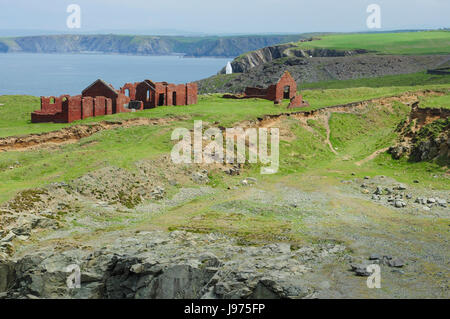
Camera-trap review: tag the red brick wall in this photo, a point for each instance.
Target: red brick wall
(297, 101)
(275, 92)
(132, 89)
(249, 91)
(52, 104)
(191, 93)
(141, 95)
(73, 109)
(87, 107)
(180, 91)
(120, 103)
(285, 80)
(170, 88)
(37, 117)
(160, 90)
(99, 99)
(108, 106)
(100, 106)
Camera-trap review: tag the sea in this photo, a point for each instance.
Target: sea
(55, 74)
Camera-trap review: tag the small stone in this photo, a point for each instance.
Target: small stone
(397, 263)
(399, 204)
(441, 202)
(416, 181)
(400, 187)
(8, 237)
(420, 200)
(431, 200)
(360, 270)
(23, 230)
(137, 268)
(366, 177)
(375, 257)
(379, 190)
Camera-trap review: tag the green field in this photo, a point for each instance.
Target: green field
(15, 111)
(412, 79)
(436, 102)
(354, 136)
(402, 43)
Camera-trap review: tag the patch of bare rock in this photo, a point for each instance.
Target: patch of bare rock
(167, 265)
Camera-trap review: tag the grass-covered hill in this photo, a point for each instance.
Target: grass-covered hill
(337, 57)
(118, 187)
(124, 146)
(403, 43)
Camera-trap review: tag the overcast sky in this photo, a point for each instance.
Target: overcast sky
(223, 16)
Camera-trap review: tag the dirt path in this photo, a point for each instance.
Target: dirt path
(371, 156)
(327, 127)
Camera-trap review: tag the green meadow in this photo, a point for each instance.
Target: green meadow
(15, 111)
(402, 43)
(354, 136)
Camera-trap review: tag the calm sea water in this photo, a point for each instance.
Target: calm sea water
(55, 74)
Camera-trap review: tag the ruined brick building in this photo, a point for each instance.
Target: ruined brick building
(285, 88)
(100, 98)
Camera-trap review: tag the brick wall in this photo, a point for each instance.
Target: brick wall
(99, 106)
(72, 108)
(286, 80)
(191, 93)
(101, 99)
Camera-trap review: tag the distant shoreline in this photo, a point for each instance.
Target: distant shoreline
(181, 55)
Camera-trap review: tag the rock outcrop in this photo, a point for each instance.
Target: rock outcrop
(326, 67)
(153, 265)
(252, 59)
(424, 136)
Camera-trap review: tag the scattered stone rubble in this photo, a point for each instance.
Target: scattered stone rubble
(397, 195)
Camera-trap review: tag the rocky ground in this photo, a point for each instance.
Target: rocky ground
(316, 69)
(346, 226)
(158, 230)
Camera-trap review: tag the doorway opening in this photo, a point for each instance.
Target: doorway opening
(161, 100)
(287, 92)
(174, 98)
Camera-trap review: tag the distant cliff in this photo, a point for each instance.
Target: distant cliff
(252, 59)
(230, 46)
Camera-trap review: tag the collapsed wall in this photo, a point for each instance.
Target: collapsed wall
(100, 98)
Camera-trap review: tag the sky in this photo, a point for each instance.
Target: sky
(219, 16)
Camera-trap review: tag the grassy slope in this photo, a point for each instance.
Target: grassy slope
(436, 101)
(15, 113)
(404, 43)
(355, 137)
(412, 79)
